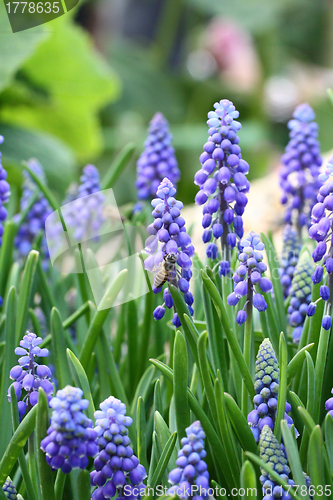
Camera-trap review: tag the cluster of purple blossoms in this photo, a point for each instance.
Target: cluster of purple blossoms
(191, 468)
(289, 258)
(300, 295)
(272, 455)
(117, 469)
(4, 194)
(28, 374)
(301, 161)
(266, 386)
(248, 274)
(329, 405)
(85, 215)
(34, 222)
(169, 240)
(158, 159)
(70, 438)
(9, 489)
(223, 184)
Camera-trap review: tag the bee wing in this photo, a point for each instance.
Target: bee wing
(157, 267)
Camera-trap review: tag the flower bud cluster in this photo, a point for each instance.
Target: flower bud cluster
(301, 161)
(116, 467)
(289, 258)
(70, 438)
(158, 159)
(28, 374)
(300, 295)
(329, 405)
(191, 468)
(248, 274)
(266, 387)
(169, 240)
(9, 489)
(223, 183)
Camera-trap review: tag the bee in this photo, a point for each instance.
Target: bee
(165, 270)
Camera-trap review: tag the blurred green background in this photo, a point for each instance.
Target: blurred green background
(76, 90)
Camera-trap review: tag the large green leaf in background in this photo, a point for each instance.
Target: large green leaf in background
(15, 48)
(77, 84)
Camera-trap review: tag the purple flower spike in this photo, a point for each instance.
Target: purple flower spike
(170, 249)
(158, 159)
(70, 438)
(28, 375)
(299, 174)
(4, 195)
(117, 469)
(34, 222)
(249, 274)
(266, 386)
(223, 183)
(300, 295)
(191, 468)
(289, 258)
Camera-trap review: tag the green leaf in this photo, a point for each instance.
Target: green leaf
(99, 318)
(274, 475)
(25, 294)
(132, 344)
(233, 342)
(59, 348)
(306, 419)
(293, 456)
(143, 387)
(329, 437)
(44, 470)
(6, 253)
(296, 363)
(320, 367)
(141, 431)
(316, 460)
(205, 375)
(249, 480)
(69, 109)
(57, 158)
(16, 48)
(118, 166)
(83, 485)
(283, 360)
(180, 374)
(240, 425)
(163, 461)
(9, 361)
(81, 380)
(16, 444)
(163, 435)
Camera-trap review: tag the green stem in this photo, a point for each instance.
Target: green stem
(247, 341)
(32, 461)
(320, 365)
(59, 484)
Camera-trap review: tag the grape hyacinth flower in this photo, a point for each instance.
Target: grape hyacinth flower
(117, 469)
(248, 274)
(191, 468)
(272, 455)
(266, 386)
(85, 215)
(299, 173)
(9, 489)
(70, 438)
(4, 194)
(169, 238)
(300, 295)
(28, 374)
(34, 222)
(223, 184)
(329, 405)
(289, 258)
(158, 159)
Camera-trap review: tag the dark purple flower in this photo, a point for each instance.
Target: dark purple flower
(70, 438)
(170, 249)
(4, 194)
(8, 487)
(28, 374)
(289, 258)
(223, 183)
(326, 322)
(301, 161)
(300, 295)
(158, 159)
